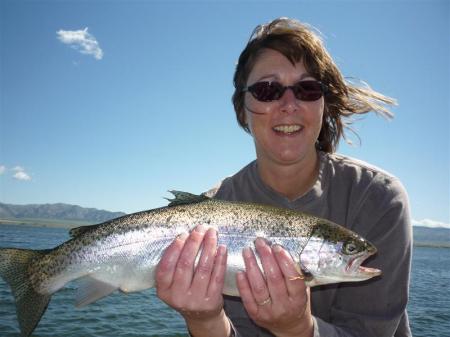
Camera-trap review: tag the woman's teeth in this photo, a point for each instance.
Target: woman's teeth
(287, 129)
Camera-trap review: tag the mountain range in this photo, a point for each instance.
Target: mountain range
(57, 211)
(425, 236)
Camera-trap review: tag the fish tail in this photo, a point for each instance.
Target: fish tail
(30, 305)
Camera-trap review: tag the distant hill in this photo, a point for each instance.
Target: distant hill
(424, 236)
(56, 211)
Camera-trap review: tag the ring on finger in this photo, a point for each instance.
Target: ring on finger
(266, 301)
(299, 277)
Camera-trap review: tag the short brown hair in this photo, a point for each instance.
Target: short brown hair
(298, 42)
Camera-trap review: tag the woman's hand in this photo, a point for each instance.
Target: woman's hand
(278, 301)
(195, 292)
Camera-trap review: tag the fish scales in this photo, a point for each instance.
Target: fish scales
(247, 219)
(122, 254)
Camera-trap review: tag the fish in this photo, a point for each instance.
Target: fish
(122, 254)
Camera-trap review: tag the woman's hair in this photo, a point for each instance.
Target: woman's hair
(298, 42)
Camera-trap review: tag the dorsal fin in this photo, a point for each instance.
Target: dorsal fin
(183, 198)
(77, 231)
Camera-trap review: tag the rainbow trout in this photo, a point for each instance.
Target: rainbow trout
(122, 254)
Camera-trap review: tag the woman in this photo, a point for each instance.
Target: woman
(290, 96)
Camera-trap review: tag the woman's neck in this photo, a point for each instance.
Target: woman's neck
(293, 180)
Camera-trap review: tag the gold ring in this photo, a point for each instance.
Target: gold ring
(266, 301)
(299, 277)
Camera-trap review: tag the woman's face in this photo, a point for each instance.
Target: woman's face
(285, 131)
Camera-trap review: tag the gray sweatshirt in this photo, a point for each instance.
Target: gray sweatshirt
(372, 203)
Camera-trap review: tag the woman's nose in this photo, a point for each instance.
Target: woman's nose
(288, 101)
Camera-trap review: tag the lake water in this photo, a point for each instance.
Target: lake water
(142, 314)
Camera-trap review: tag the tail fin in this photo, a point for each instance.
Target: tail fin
(30, 305)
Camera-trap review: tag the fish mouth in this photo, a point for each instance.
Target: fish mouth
(287, 129)
(355, 269)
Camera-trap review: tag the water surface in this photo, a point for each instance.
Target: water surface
(143, 314)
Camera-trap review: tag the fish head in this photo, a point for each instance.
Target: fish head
(334, 254)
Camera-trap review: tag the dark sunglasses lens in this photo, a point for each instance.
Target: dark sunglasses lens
(308, 90)
(266, 91)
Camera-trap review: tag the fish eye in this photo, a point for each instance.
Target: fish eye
(350, 248)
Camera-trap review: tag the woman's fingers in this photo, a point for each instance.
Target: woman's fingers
(278, 287)
(216, 282)
(246, 293)
(277, 298)
(205, 264)
(184, 269)
(274, 276)
(194, 290)
(293, 277)
(167, 265)
(255, 279)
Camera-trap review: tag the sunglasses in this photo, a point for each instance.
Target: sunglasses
(308, 91)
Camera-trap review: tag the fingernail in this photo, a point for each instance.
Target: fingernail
(212, 232)
(276, 248)
(182, 236)
(200, 229)
(260, 242)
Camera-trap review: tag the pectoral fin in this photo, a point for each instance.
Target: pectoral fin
(91, 290)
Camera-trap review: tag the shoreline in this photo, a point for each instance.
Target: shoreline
(46, 223)
(431, 245)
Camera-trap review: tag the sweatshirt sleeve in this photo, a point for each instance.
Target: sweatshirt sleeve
(377, 307)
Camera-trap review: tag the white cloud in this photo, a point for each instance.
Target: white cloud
(20, 173)
(430, 223)
(81, 40)
(2, 169)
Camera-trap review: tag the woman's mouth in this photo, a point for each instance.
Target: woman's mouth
(287, 129)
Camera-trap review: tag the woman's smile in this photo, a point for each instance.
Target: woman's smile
(287, 129)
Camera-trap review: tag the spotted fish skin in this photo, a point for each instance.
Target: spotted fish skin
(122, 254)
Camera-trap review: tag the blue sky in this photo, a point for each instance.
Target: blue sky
(141, 104)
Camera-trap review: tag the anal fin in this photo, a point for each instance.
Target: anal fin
(91, 290)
